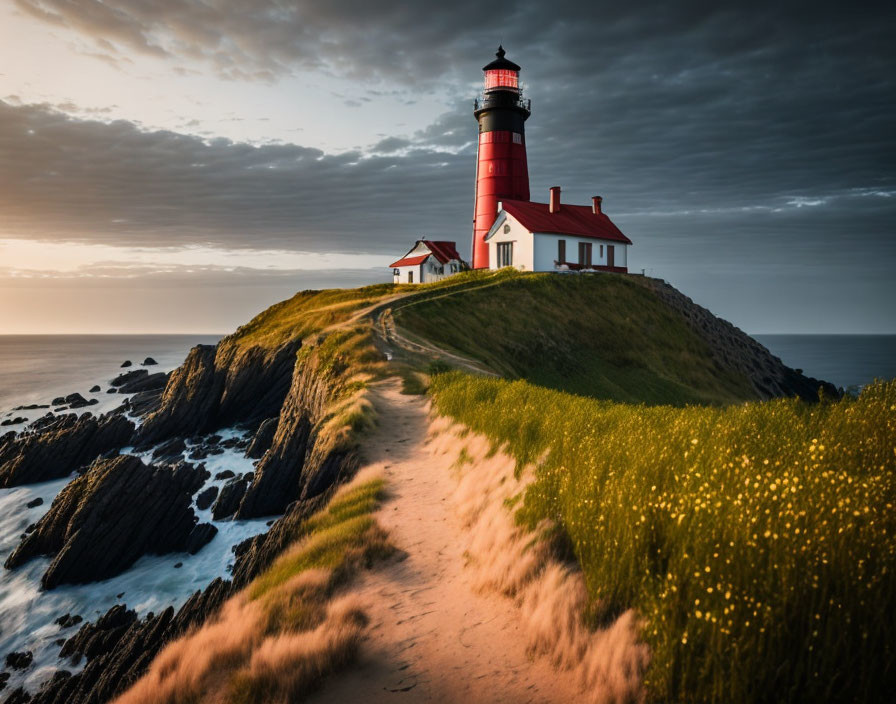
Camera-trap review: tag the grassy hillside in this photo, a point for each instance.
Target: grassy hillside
(605, 336)
(757, 542)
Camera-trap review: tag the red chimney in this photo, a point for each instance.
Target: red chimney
(555, 199)
(595, 204)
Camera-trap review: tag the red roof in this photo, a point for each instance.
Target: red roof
(578, 220)
(443, 251)
(410, 261)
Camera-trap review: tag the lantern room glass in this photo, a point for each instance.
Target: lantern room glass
(502, 79)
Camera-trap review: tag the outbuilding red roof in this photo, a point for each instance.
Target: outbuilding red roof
(443, 251)
(578, 220)
(410, 261)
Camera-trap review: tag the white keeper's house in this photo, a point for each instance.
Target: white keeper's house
(555, 236)
(427, 260)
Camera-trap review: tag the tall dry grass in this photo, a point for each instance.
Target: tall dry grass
(756, 541)
(529, 568)
(276, 639)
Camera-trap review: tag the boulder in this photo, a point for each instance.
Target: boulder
(150, 382)
(58, 401)
(19, 661)
(200, 536)
(170, 450)
(262, 439)
(149, 508)
(14, 421)
(226, 474)
(126, 363)
(31, 407)
(128, 377)
(149, 361)
(95, 389)
(78, 401)
(68, 621)
(56, 446)
(229, 498)
(4, 680)
(35, 502)
(206, 498)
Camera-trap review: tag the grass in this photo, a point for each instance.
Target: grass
(275, 640)
(607, 336)
(333, 535)
(756, 541)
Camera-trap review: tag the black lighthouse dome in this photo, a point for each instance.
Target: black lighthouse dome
(501, 62)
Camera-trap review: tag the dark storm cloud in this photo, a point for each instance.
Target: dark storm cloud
(67, 179)
(756, 141)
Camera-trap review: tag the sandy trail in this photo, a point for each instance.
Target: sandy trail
(432, 638)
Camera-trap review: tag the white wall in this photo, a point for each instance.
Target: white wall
(402, 277)
(429, 270)
(523, 253)
(545, 251)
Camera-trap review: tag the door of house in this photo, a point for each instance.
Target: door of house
(611, 260)
(411, 276)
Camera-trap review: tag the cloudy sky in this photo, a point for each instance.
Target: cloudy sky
(177, 165)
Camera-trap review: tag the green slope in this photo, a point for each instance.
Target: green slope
(607, 336)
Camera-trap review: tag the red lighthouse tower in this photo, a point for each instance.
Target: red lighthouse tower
(501, 170)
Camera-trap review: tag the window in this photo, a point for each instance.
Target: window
(561, 251)
(411, 276)
(396, 272)
(585, 253)
(506, 229)
(601, 251)
(517, 138)
(505, 254)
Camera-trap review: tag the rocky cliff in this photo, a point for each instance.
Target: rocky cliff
(104, 520)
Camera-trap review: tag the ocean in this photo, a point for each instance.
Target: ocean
(37, 368)
(848, 361)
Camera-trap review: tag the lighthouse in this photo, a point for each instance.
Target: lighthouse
(501, 170)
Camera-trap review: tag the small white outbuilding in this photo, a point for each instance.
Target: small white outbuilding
(555, 236)
(426, 261)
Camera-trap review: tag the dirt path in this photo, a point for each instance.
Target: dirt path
(431, 637)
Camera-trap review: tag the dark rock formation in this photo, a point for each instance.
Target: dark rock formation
(31, 407)
(67, 621)
(19, 661)
(35, 502)
(296, 466)
(57, 446)
(220, 386)
(126, 363)
(149, 361)
(225, 474)
(14, 421)
(206, 498)
(733, 349)
(145, 382)
(4, 679)
(229, 498)
(261, 441)
(256, 554)
(170, 450)
(149, 508)
(129, 377)
(118, 648)
(78, 401)
(200, 536)
(95, 389)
